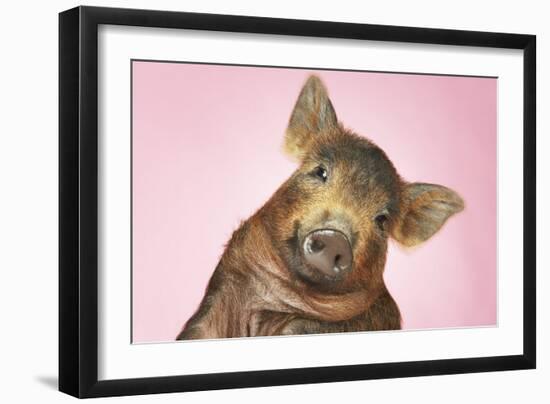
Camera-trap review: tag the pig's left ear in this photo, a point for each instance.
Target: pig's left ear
(426, 207)
(312, 114)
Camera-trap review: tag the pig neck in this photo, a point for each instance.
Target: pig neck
(269, 286)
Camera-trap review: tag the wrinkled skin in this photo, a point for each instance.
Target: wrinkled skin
(264, 285)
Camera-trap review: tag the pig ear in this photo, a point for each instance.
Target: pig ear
(312, 114)
(426, 207)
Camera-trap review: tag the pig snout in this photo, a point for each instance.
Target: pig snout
(328, 252)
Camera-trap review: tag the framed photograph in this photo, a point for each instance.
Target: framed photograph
(251, 201)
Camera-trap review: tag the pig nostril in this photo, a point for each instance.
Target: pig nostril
(337, 260)
(316, 246)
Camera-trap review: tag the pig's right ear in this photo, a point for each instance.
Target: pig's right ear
(312, 114)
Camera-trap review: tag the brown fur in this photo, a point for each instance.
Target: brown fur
(261, 286)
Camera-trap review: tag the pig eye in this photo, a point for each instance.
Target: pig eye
(381, 221)
(321, 173)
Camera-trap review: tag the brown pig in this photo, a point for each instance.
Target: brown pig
(311, 260)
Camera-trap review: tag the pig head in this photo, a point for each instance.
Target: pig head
(311, 260)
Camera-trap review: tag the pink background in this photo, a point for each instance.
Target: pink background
(207, 152)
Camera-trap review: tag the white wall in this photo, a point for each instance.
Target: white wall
(28, 203)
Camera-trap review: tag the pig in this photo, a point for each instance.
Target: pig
(311, 259)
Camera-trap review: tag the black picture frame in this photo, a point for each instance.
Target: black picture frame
(78, 200)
